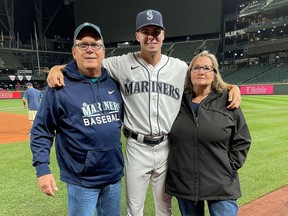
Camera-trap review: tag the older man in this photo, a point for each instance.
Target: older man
(86, 117)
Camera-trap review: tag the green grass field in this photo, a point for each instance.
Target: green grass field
(264, 171)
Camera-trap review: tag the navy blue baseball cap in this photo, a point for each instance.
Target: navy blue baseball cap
(87, 27)
(149, 17)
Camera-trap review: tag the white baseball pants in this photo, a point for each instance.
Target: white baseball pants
(146, 163)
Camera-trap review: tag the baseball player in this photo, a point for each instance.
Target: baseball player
(151, 86)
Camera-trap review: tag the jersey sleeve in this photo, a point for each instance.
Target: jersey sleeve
(112, 66)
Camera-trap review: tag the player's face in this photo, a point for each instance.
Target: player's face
(150, 39)
(89, 53)
(202, 72)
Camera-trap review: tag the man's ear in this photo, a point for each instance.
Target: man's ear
(73, 52)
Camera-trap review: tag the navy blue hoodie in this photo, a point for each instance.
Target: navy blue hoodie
(85, 119)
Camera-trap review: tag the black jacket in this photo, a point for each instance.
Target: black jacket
(207, 150)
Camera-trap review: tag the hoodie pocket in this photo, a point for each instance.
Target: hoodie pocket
(103, 162)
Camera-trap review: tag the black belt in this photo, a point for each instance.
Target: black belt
(146, 139)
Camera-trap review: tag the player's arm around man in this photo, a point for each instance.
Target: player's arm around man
(56, 79)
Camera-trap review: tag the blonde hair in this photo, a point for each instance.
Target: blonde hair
(218, 84)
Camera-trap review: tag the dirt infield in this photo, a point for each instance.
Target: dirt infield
(13, 128)
(272, 204)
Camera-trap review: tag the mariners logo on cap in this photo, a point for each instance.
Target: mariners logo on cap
(149, 17)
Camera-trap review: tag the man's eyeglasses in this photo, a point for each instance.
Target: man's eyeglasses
(154, 33)
(206, 68)
(94, 46)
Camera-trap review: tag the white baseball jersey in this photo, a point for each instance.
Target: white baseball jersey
(152, 95)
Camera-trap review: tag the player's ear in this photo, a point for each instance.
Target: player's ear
(163, 35)
(137, 35)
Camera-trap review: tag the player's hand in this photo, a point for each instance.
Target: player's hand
(234, 98)
(47, 184)
(55, 77)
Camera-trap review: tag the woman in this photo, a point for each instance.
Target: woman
(209, 143)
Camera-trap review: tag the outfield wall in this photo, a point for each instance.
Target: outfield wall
(279, 89)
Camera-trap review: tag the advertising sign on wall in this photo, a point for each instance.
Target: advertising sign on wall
(257, 89)
(9, 95)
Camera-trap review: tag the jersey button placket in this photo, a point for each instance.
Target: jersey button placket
(153, 113)
(153, 104)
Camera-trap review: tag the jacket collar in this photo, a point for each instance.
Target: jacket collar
(71, 71)
(211, 96)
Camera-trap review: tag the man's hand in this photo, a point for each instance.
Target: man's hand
(55, 77)
(47, 184)
(234, 97)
